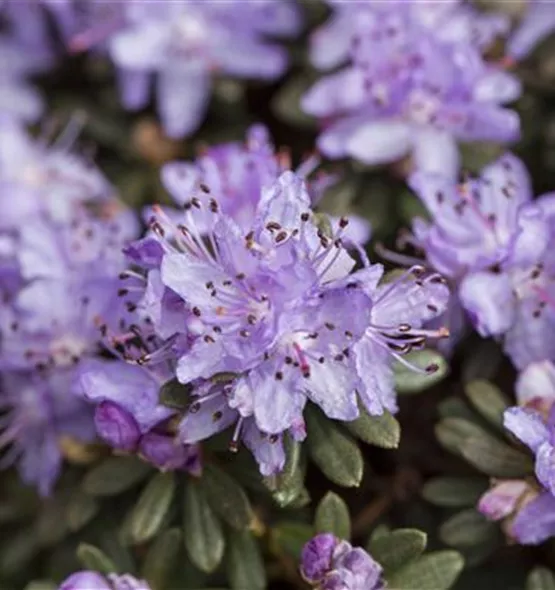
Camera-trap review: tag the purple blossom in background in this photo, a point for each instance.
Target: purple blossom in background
(185, 43)
(265, 299)
(328, 563)
(493, 241)
(89, 580)
(535, 521)
(415, 83)
(537, 23)
(62, 234)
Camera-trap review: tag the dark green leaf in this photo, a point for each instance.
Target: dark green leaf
(226, 497)
(115, 475)
(245, 568)
(41, 585)
(94, 559)
(407, 381)
(466, 529)
(148, 515)
(396, 548)
(452, 432)
(176, 395)
(332, 516)
(383, 431)
(287, 102)
(335, 453)
(82, 508)
(438, 570)
(202, 531)
(290, 537)
(455, 491)
(540, 578)
(161, 558)
(488, 401)
(495, 458)
(455, 407)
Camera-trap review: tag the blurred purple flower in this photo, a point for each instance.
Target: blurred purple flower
(186, 42)
(494, 242)
(535, 386)
(537, 23)
(329, 563)
(416, 83)
(89, 580)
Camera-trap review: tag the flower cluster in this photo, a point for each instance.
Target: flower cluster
(495, 243)
(89, 580)
(328, 563)
(184, 43)
(259, 307)
(529, 506)
(61, 232)
(416, 83)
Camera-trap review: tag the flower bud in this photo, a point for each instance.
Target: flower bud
(116, 426)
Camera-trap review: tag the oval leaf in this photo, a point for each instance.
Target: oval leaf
(467, 529)
(540, 578)
(332, 516)
(288, 486)
(115, 475)
(438, 570)
(226, 497)
(335, 453)
(453, 432)
(175, 395)
(407, 381)
(495, 458)
(396, 548)
(290, 537)
(147, 516)
(245, 568)
(488, 401)
(382, 431)
(161, 558)
(93, 558)
(202, 531)
(82, 508)
(455, 491)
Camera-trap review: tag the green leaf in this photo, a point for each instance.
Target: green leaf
(396, 548)
(452, 432)
(455, 407)
(438, 570)
(245, 567)
(175, 395)
(114, 476)
(466, 529)
(290, 537)
(287, 487)
(540, 578)
(488, 401)
(335, 453)
(161, 558)
(332, 516)
(407, 381)
(226, 497)
(383, 431)
(94, 559)
(41, 585)
(287, 102)
(81, 509)
(495, 458)
(148, 515)
(202, 531)
(455, 491)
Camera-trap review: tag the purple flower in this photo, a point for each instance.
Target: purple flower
(530, 428)
(416, 84)
(494, 242)
(535, 522)
(535, 386)
(504, 498)
(329, 563)
(89, 580)
(538, 22)
(62, 234)
(184, 43)
(272, 316)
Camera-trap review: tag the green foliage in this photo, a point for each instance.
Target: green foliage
(332, 516)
